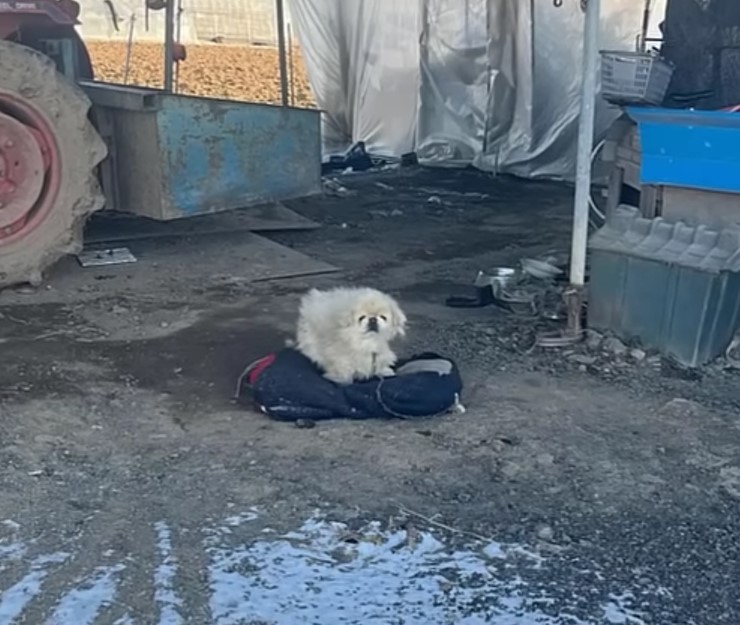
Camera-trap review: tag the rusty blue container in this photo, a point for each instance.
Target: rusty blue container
(174, 156)
(668, 286)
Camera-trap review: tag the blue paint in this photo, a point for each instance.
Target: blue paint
(217, 155)
(695, 149)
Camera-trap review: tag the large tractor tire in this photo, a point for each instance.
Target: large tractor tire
(49, 153)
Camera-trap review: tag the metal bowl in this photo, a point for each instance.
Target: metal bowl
(498, 278)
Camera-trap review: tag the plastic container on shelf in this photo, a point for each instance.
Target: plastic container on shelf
(634, 77)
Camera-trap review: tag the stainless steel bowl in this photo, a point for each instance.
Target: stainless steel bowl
(498, 278)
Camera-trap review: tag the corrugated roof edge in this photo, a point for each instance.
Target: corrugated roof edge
(675, 243)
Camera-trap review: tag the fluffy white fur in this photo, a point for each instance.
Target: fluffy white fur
(347, 332)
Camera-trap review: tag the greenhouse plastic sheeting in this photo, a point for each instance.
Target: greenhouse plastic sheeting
(362, 58)
(493, 83)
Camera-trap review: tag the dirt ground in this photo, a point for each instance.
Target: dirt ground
(248, 73)
(615, 477)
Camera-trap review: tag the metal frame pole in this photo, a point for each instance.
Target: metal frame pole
(583, 166)
(169, 38)
(281, 52)
(129, 47)
(178, 37)
(642, 44)
(291, 68)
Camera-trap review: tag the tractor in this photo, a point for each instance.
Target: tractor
(70, 145)
(49, 149)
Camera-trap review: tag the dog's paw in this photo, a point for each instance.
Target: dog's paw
(338, 378)
(386, 372)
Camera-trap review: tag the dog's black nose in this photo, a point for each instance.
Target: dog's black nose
(372, 324)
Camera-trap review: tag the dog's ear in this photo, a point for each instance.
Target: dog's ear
(309, 295)
(399, 319)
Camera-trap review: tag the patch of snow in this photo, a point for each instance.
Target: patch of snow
(617, 611)
(11, 552)
(82, 605)
(314, 575)
(15, 599)
(494, 550)
(239, 519)
(164, 577)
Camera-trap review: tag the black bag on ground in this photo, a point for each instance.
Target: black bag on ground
(287, 386)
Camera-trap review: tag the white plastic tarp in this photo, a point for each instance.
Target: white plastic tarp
(362, 58)
(494, 83)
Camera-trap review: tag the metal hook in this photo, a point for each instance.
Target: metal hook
(113, 13)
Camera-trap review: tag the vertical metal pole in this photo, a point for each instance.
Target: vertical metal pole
(178, 37)
(169, 37)
(642, 44)
(290, 66)
(583, 166)
(281, 52)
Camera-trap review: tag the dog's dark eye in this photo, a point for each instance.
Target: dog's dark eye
(362, 318)
(383, 317)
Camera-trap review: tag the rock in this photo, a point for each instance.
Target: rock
(582, 359)
(11, 525)
(546, 533)
(669, 368)
(545, 459)
(593, 339)
(381, 213)
(615, 346)
(305, 424)
(434, 199)
(637, 355)
(730, 481)
(679, 407)
(333, 187)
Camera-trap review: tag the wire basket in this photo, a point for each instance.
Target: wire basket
(634, 77)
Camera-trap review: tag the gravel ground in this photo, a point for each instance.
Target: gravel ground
(583, 486)
(247, 73)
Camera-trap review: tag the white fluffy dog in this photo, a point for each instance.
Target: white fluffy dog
(347, 332)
